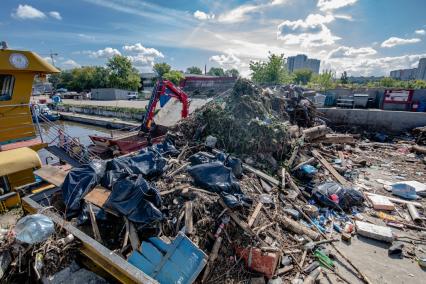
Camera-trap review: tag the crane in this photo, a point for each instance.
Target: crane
(163, 91)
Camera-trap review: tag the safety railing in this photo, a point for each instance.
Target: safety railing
(57, 136)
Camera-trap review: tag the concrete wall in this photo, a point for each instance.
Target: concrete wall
(375, 119)
(201, 85)
(102, 112)
(375, 93)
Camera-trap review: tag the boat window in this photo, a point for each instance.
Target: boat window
(6, 87)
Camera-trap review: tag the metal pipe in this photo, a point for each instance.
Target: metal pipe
(413, 212)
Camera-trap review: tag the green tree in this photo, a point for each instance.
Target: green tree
(344, 78)
(122, 74)
(161, 68)
(388, 82)
(216, 71)
(194, 70)
(100, 78)
(324, 80)
(302, 76)
(419, 84)
(232, 73)
(174, 76)
(55, 79)
(272, 71)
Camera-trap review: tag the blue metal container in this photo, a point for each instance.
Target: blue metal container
(178, 262)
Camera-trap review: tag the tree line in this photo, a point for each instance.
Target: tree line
(274, 71)
(120, 73)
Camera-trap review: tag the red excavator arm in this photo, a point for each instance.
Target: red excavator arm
(168, 90)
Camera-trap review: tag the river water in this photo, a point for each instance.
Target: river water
(73, 129)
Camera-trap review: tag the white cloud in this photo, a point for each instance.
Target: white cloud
(25, 12)
(311, 32)
(328, 5)
(420, 32)
(107, 52)
(394, 41)
(241, 12)
(226, 60)
(140, 49)
(202, 16)
(86, 37)
(344, 51)
(373, 66)
(56, 15)
(142, 57)
(70, 64)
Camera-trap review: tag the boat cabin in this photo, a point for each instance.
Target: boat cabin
(17, 72)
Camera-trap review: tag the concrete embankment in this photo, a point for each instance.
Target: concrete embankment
(375, 119)
(107, 122)
(103, 114)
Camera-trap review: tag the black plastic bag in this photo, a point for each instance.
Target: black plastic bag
(149, 163)
(136, 199)
(78, 183)
(199, 158)
(167, 148)
(215, 177)
(229, 161)
(347, 197)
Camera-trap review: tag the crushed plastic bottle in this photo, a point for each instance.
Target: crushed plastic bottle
(34, 229)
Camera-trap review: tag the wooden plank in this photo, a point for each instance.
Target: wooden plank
(51, 174)
(266, 186)
(98, 196)
(236, 219)
(189, 227)
(253, 216)
(315, 132)
(342, 158)
(330, 168)
(95, 227)
(283, 178)
(337, 139)
(116, 266)
(262, 175)
(133, 237)
(397, 200)
(212, 258)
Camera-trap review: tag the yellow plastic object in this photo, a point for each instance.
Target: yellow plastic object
(18, 160)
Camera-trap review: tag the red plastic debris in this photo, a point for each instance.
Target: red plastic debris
(255, 259)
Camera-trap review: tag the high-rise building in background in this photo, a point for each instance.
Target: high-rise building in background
(418, 73)
(421, 69)
(404, 74)
(302, 61)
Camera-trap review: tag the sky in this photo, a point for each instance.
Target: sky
(362, 37)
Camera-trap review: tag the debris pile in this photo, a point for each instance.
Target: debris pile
(185, 198)
(35, 248)
(247, 120)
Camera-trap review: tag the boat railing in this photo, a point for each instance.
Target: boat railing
(71, 145)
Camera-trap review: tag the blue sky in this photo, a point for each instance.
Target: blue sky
(363, 37)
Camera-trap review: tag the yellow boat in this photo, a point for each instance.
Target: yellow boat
(18, 135)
